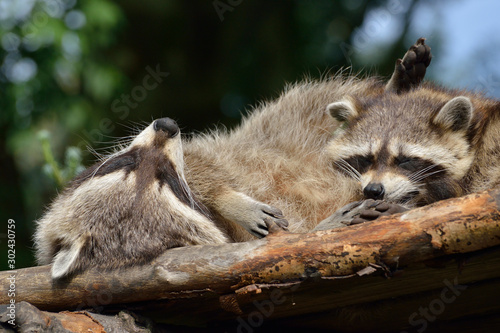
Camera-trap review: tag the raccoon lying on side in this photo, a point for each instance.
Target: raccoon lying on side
(276, 157)
(420, 147)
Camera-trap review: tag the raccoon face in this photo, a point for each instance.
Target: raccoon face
(158, 147)
(403, 148)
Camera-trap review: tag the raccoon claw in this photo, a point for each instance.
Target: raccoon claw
(282, 223)
(260, 231)
(269, 216)
(273, 212)
(276, 216)
(270, 226)
(410, 70)
(275, 226)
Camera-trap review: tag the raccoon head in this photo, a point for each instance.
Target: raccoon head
(408, 149)
(137, 194)
(158, 147)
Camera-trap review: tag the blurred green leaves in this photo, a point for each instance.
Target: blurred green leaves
(72, 162)
(52, 66)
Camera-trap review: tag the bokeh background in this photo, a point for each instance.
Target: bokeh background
(78, 73)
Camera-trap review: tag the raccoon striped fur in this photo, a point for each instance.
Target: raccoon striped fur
(127, 209)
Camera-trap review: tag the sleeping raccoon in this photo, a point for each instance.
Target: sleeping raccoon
(423, 146)
(276, 157)
(126, 209)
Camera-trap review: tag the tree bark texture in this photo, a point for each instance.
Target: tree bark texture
(232, 273)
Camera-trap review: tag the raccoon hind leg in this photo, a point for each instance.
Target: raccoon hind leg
(410, 70)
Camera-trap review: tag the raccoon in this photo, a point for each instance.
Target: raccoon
(276, 157)
(420, 147)
(126, 209)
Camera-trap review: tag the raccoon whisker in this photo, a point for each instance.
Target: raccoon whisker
(404, 201)
(416, 174)
(349, 169)
(95, 153)
(425, 175)
(117, 146)
(97, 169)
(119, 138)
(193, 203)
(116, 149)
(407, 201)
(353, 169)
(135, 126)
(105, 158)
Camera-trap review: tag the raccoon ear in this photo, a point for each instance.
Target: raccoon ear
(65, 262)
(456, 114)
(343, 111)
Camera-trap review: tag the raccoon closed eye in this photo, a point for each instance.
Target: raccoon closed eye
(409, 163)
(360, 163)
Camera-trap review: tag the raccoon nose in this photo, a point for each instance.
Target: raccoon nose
(166, 125)
(374, 191)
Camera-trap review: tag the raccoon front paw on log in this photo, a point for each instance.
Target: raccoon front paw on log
(358, 212)
(373, 209)
(249, 213)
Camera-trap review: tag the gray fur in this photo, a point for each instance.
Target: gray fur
(125, 210)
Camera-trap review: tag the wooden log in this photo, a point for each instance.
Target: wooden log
(459, 225)
(30, 319)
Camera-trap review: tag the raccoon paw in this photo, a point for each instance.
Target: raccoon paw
(375, 209)
(342, 217)
(410, 70)
(249, 213)
(265, 220)
(358, 212)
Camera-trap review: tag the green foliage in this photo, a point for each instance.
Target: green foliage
(72, 163)
(54, 73)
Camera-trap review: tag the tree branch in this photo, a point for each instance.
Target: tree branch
(229, 273)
